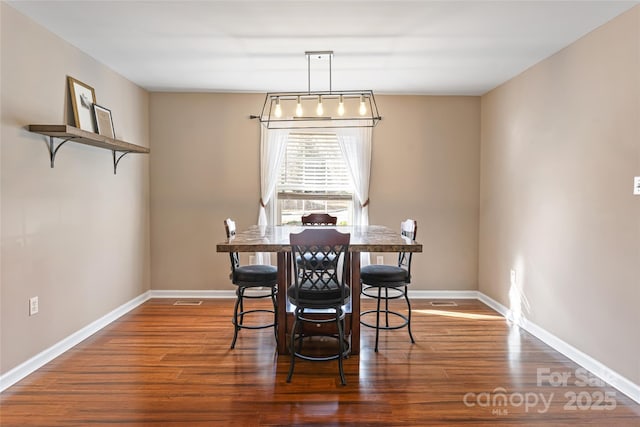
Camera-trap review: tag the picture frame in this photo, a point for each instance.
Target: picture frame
(82, 99)
(104, 121)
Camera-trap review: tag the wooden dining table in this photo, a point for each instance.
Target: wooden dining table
(275, 239)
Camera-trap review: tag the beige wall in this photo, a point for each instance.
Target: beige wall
(76, 236)
(424, 165)
(205, 168)
(560, 147)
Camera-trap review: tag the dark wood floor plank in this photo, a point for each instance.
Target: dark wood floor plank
(168, 365)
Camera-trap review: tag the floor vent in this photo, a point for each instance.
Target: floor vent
(444, 304)
(187, 303)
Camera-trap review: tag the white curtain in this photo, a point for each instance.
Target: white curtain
(355, 144)
(273, 144)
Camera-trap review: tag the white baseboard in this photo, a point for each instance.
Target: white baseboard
(418, 294)
(21, 371)
(46, 356)
(608, 375)
(204, 294)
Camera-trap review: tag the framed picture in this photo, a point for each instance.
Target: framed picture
(82, 99)
(104, 121)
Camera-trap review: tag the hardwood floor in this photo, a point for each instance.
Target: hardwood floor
(164, 364)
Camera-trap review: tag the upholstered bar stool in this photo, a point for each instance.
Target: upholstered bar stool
(376, 278)
(250, 277)
(319, 284)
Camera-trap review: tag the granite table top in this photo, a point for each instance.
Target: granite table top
(364, 238)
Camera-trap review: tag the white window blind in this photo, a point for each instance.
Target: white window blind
(314, 164)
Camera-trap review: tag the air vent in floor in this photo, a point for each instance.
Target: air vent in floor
(444, 304)
(187, 303)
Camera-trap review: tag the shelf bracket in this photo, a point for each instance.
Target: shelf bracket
(53, 150)
(116, 159)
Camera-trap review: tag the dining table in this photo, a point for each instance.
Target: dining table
(275, 239)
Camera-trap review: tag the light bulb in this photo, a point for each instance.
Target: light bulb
(319, 109)
(299, 108)
(341, 107)
(278, 111)
(363, 106)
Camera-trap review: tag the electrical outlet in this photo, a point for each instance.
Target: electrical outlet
(636, 186)
(33, 306)
(252, 260)
(380, 259)
(514, 277)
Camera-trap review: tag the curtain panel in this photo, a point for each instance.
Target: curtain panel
(273, 143)
(355, 144)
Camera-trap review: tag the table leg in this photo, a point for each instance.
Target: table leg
(281, 314)
(355, 303)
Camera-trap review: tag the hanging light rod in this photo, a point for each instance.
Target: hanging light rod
(319, 109)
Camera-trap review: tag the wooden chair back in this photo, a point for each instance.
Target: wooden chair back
(319, 219)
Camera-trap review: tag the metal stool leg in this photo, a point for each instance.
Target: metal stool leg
(386, 306)
(406, 297)
(341, 349)
(378, 319)
(401, 292)
(292, 345)
(241, 289)
(236, 325)
(275, 312)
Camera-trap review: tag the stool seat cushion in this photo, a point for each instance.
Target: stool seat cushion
(325, 297)
(383, 274)
(262, 274)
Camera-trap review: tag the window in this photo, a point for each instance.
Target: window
(314, 178)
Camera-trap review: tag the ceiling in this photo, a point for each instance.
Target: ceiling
(393, 46)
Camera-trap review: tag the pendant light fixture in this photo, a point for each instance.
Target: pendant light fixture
(333, 108)
(299, 111)
(278, 111)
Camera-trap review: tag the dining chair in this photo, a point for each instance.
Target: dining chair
(254, 278)
(375, 278)
(319, 219)
(319, 284)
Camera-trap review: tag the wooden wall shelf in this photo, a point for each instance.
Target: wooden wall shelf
(70, 133)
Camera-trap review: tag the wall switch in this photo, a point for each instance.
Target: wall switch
(33, 306)
(636, 186)
(380, 259)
